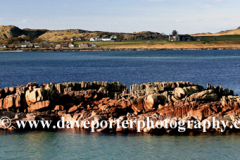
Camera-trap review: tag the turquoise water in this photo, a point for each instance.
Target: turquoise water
(72, 144)
(129, 67)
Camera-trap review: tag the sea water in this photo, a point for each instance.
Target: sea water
(217, 67)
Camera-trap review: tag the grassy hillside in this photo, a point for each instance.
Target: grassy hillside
(8, 32)
(60, 35)
(221, 33)
(13, 31)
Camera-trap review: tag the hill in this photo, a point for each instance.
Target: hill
(60, 35)
(13, 32)
(221, 33)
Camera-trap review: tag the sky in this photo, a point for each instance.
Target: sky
(163, 16)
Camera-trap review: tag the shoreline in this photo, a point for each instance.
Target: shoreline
(118, 49)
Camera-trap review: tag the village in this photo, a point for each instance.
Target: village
(78, 43)
(67, 44)
(47, 44)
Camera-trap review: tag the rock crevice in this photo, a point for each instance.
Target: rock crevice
(99, 101)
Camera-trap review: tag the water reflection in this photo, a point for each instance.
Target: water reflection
(77, 143)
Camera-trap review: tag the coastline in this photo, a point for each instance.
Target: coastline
(117, 49)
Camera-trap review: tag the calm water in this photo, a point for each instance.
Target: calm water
(72, 144)
(129, 67)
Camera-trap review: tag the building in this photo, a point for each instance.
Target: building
(58, 45)
(70, 45)
(108, 38)
(176, 37)
(83, 45)
(92, 45)
(37, 46)
(18, 46)
(10, 46)
(3, 46)
(64, 45)
(93, 39)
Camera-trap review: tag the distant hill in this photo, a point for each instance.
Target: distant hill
(13, 32)
(221, 33)
(60, 35)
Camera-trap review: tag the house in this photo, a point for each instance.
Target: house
(93, 39)
(114, 37)
(71, 45)
(3, 46)
(18, 46)
(92, 45)
(23, 46)
(176, 37)
(64, 45)
(108, 38)
(10, 46)
(58, 45)
(25, 42)
(36, 46)
(83, 45)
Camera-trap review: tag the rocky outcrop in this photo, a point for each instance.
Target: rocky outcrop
(103, 101)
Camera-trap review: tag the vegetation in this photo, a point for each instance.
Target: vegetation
(8, 32)
(101, 44)
(221, 38)
(145, 39)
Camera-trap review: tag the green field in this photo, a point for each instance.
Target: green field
(205, 39)
(119, 43)
(221, 38)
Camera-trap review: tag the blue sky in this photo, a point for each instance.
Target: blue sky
(186, 16)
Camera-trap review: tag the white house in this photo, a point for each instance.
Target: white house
(71, 45)
(109, 38)
(106, 39)
(93, 39)
(58, 45)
